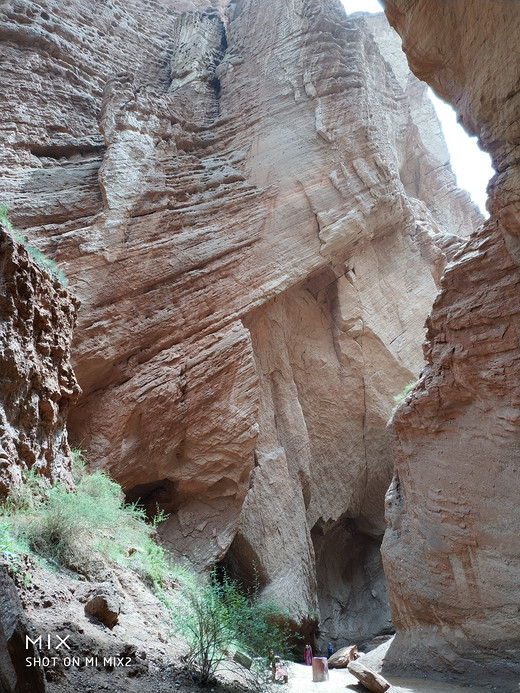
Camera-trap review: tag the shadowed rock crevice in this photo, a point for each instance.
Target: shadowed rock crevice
(155, 496)
(351, 584)
(242, 563)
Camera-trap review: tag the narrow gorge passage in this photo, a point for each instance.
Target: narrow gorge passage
(257, 217)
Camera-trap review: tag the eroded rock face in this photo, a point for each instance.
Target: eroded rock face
(16, 643)
(256, 229)
(37, 385)
(452, 550)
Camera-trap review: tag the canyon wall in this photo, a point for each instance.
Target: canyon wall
(255, 213)
(37, 385)
(452, 550)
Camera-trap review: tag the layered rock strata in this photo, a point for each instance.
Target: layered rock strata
(37, 385)
(239, 200)
(452, 551)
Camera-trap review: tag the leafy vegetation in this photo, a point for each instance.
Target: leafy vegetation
(90, 525)
(42, 260)
(8, 548)
(4, 209)
(218, 620)
(77, 528)
(399, 397)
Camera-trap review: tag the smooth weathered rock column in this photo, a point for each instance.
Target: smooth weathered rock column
(328, 365)
(452, 550)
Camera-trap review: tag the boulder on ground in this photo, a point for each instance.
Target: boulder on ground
(341, 658)
(105, 607)
(368, 678)
(102, 600)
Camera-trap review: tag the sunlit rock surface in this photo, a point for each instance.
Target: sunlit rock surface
(452, 551)
(255, 212)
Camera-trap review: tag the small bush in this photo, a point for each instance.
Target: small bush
(8, 548)
(218, 619)
(76, 528)
(42, 260)
(79, 464)
(27, 496)
(4, 219)
(399, 397)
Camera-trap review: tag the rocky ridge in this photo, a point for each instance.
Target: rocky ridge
(37, 384)
(452, 550)
(237, 201)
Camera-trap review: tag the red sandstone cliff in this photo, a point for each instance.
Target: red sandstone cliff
(37, 385)
(452, 551)
(255, 220)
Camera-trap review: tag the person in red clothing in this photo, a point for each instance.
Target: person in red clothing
(307, 655)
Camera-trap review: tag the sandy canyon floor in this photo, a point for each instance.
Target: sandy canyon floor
(300, 681)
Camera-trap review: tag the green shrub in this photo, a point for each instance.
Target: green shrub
(218, 620)
(399, 397)
(42, 260)
(7, 546)
(28, 495)
(13, 550)
(78, 528)
(79, 463)
(4, 219)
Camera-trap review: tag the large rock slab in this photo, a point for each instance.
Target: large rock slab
(371, 680)
(452, 549)
(341, 658)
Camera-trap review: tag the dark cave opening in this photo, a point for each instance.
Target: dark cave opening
(351, 584)
(160, 495)
(241, 563)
